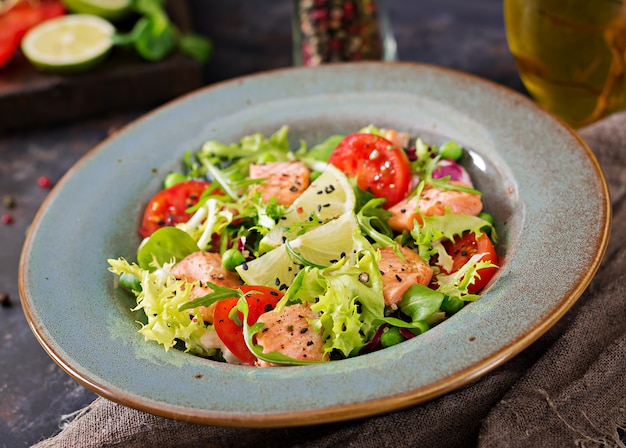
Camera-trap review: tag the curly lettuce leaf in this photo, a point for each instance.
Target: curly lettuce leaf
(449, 225)
(347, 296)
(257, 148)
(161, 298)
(456, 284)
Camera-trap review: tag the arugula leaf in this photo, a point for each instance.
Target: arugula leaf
(217, 293)
(372, 219)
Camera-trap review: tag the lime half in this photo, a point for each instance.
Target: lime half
(322, 246)
(68, 44)
(107, 9)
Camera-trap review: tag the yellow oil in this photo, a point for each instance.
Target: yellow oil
(571, 54)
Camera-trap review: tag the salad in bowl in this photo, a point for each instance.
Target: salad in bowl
(261, 254)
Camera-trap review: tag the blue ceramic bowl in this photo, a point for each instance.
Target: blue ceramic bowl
(540, 181)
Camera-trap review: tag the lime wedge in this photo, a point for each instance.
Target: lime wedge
(108, 9)
(322, 246)
(328, 197)
(68, 44)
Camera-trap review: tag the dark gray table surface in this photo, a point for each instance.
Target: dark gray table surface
(249, 36)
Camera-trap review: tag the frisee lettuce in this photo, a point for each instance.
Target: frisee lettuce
(347, 296)
(160, 298)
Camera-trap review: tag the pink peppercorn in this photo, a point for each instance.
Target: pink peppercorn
(44, 182)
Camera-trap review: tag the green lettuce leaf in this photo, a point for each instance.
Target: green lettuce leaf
(348, 298)
(161, 298)
(163, 246)
(456, 284)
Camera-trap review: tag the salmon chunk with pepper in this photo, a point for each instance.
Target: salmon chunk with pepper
(205, 267)
(399, 275)
(288, 332)
(433, 201)
(284, 181)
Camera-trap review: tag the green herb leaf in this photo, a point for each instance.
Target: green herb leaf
(218, 293)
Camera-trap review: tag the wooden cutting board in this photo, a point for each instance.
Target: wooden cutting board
(30, 98)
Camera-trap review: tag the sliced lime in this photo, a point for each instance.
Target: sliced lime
(328, 197)
(68, 44)
(322, 246)
(107, 9)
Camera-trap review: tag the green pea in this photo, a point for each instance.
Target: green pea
(450, 150)
(173, 179)
(232, 258)
(451, 305)
(391, 336)
(129, 281)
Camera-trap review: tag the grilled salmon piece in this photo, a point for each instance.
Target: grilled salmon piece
(433, 201)
(399, 275)
(283, 180)
(288, 331)
(205, 267)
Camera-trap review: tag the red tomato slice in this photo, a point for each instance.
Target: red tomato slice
(25, 15)
(230, 333)
(462, 249)
(378, 166)
(168, 207)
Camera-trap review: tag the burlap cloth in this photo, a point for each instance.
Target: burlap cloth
(567, 389)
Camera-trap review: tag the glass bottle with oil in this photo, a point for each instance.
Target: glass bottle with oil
(571, 55)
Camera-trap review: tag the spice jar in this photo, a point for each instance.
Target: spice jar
(341, 31)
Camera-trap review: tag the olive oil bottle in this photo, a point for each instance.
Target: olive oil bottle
(571, 54)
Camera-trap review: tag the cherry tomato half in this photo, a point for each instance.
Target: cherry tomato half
(378, 166)
(230, 333)
(462, 249)
(168, 206)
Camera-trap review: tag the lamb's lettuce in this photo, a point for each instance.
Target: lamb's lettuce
(163, 246)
